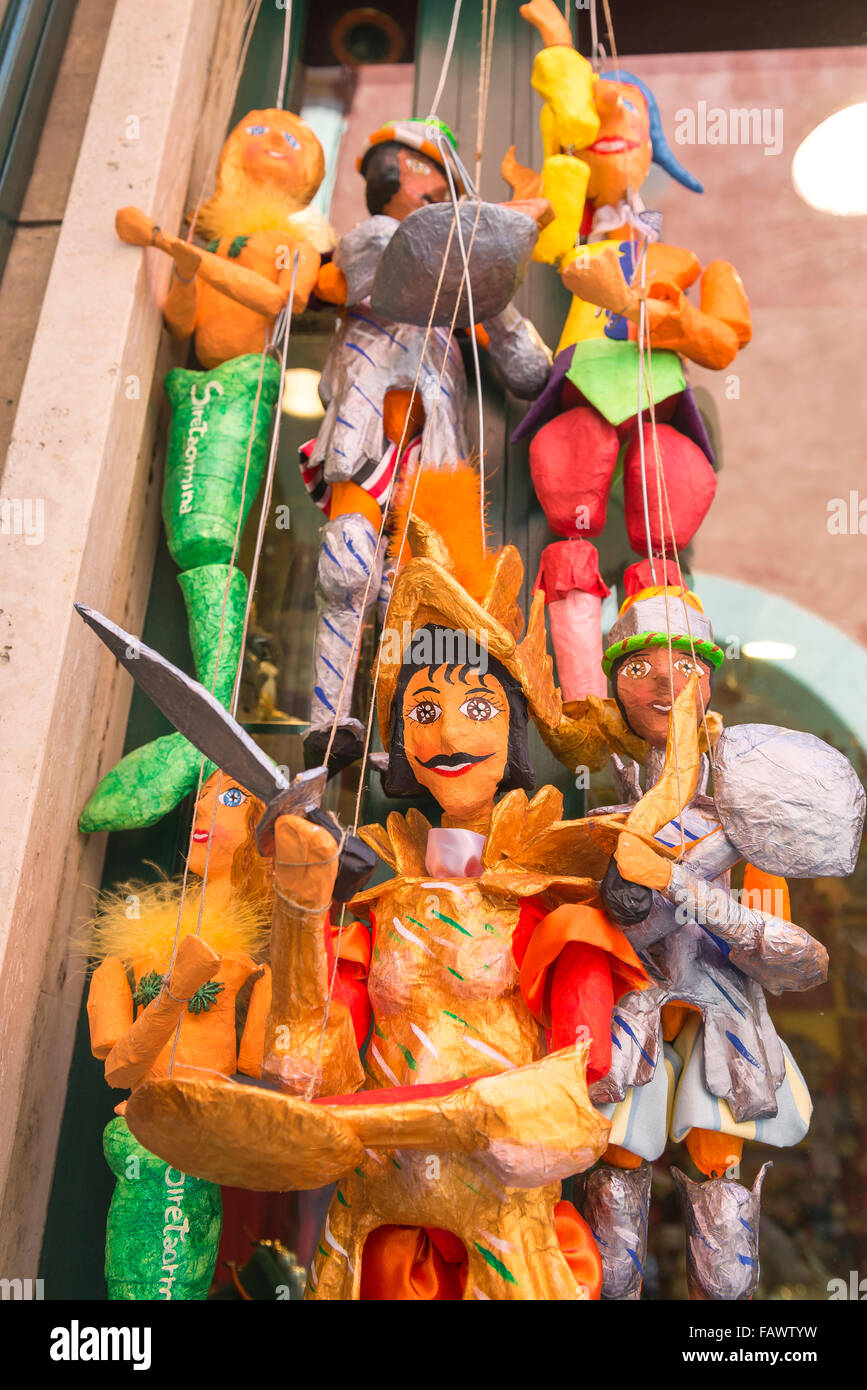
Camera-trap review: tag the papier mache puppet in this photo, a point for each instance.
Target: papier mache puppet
(375, 421)
(225, 300)
(481, 1006)
(600, 134)
(519, 966)
(696, 1057)
(164, 1225)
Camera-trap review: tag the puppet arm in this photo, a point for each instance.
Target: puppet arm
(358, 255)
(569, 122)
(522, 360)
(309, 262)
(575, 963)
(331, 284)
(310, 1043)
(711, 336)
(563, 78)
(253, 1037)
(181, 306)
(110, 1009)
(778, 954)
(135, 1052)
(529, 1126)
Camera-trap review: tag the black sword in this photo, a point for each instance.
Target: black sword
(201, 718)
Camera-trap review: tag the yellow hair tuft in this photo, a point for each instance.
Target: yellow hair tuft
(140, 919)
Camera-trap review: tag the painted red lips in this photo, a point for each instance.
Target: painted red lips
(613, 144)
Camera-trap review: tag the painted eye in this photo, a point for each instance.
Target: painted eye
(686, 666)
(256, 129)
(479, 709)
(425, 712)
(291, 141)
(636, 669)
(232, 796)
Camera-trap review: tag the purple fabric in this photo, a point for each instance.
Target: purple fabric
(546, 406)
(686, 419)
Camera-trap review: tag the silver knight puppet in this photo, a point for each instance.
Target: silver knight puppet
(375, 421)
(695, 1057)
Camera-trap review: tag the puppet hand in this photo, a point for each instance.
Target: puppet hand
(305, 863)
(628, 903)
(331, 284)
(598, 280)
(549, 21)
(524, 182)
(640, 864)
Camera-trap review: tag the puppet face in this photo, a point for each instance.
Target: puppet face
(277, 148)
(456, 737)
(230, 831)
(644, 689)
(620, 156)
(422, 181)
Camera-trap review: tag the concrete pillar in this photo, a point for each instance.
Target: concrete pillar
(81, 485)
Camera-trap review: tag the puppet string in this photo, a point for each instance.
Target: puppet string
(284, 62)
(369, 728)
(388, 500)
(247, 26)
(486, 54)
(474, 342)
(447, 58)
(403, 440)
(208, 1071)
(484, 84)
(643, 345)
(385, 513)
(235, 548)
(313, 910)
(661, 475)
(484, 91)
(269, 482)
(250, 19)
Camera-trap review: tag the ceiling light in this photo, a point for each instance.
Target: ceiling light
(301, 393)
(829, 170)
(769, 651)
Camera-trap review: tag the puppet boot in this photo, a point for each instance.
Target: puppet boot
(161, 1236)
(347, 582)
(616, 1202)
(722, 1236)
(146, 784)
(574, 589)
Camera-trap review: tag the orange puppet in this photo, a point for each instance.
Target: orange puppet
(164, 998)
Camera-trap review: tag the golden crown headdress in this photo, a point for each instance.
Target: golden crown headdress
(428, 591)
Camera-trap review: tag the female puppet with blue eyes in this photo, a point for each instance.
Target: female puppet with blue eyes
(157, 998)
(257, 222)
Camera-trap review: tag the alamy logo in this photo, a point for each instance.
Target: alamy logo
(855, 1290)
(742, 125)
(23, 516)
(25, 1289)
(76, 1343)
(442, 647)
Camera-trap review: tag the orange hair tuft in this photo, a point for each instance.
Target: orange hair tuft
(449, 500)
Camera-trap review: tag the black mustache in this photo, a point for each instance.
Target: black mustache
(453, 759)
